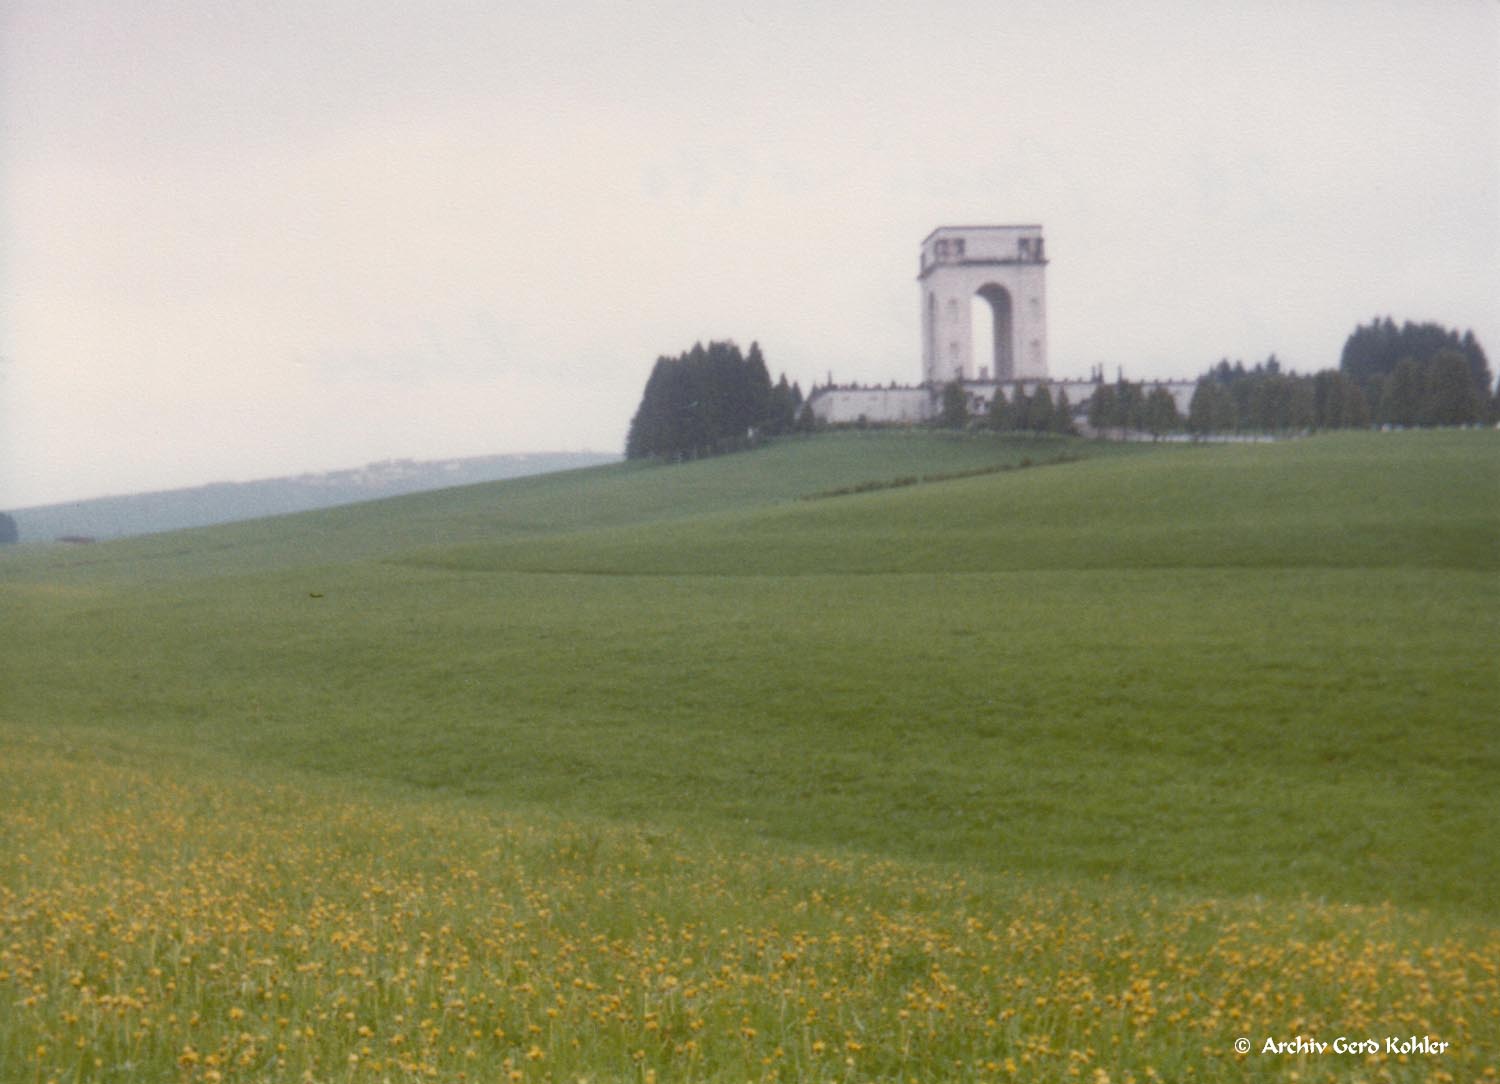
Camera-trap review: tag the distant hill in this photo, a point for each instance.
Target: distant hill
(227, 502)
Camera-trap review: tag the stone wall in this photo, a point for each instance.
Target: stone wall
(885, 406)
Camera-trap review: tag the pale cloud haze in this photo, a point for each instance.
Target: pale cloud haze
(244, 240)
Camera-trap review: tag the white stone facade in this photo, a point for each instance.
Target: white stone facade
(850, 405)
(1004, 265)
(853, 404)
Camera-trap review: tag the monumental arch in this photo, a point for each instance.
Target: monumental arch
(1004, 266)
(1000, 271)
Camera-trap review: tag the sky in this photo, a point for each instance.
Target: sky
(246, 240)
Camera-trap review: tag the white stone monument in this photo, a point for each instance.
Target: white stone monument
(1006, 267)
(1001, 351)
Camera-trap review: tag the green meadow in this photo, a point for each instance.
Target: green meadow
(903, 756)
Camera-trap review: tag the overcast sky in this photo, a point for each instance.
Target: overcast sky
(241, 240)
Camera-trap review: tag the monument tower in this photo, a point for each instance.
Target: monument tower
(1006, 267)
(984, 326)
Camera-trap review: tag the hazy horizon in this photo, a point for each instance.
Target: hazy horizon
(245, 242)
(327, 472)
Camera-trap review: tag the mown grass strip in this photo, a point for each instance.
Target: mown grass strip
(946, 476)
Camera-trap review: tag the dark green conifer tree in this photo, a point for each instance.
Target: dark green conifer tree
(1356, 407)
(1130, 402)
(1449, 396)
(1211, 409)
(1019, 409)
(707, 400)
(955, 407)
(1159, 413)
(755, 382)
(782, 406)
(1103, 405)
(1062, 414)
(1039, 410)
(1401, 401)
(1372, 354)
(999, 409)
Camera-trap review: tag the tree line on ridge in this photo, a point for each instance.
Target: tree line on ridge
(714, 398)
(709, 400)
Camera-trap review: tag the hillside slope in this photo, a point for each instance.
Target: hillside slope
(549, 505)
(1355, 501)
(1239, 669)
(228, 502)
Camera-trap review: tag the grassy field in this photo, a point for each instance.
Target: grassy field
(1078, 771)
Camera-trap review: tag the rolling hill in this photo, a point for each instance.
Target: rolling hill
(1056, 687)
(229, 502)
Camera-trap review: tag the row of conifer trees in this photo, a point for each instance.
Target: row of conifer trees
(1407, 375)
(714, 398)
(1411, 375)
(708, 400)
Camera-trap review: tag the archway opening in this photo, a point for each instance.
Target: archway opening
(992, 312)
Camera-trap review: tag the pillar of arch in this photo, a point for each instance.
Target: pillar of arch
(929, 337)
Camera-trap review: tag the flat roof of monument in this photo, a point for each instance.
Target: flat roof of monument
(1014, 226)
